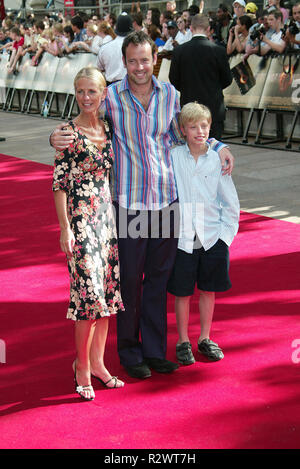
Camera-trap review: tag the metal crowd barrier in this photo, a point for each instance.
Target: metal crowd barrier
(274, 100)
(48, 88)
(35, 90)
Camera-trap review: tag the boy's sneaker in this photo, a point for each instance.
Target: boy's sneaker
(184, 354)
(210, 349)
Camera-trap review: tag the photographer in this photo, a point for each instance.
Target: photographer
(293, 31)
(276, 43)
(254, 42)
(238, 35)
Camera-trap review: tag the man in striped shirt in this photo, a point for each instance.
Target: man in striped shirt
(143, 114)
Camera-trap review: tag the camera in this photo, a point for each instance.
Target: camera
(291, 27)
(257, 31)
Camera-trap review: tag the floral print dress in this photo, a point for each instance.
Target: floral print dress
(82, 171)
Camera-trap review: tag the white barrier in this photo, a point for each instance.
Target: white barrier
(53, 75)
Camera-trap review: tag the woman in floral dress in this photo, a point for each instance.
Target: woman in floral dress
(88, 234)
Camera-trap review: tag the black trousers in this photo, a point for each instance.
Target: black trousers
(147, 253)
(216, 130)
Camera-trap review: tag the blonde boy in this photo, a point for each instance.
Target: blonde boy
(209, 215)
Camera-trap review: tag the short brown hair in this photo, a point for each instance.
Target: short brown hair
(277, 14)
(136, 38)
(200, 21)
(15, 30)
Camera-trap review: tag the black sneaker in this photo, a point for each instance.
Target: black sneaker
(210, 349)
(160, 365)
(141, 370)
(184, 354)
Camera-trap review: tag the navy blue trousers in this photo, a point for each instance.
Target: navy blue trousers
(147, 243)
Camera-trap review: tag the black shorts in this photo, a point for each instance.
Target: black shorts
(210, 269)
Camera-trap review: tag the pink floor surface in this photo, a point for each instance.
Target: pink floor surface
(248, 400)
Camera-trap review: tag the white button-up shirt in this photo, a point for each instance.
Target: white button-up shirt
(110, 61)
(209, 205)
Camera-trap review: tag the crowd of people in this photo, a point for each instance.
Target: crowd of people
(240, 28)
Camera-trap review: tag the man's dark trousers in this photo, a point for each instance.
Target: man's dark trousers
(147, 254)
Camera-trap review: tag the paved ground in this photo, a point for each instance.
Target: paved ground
(267, 181)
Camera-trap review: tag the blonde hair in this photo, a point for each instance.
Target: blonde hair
(48, 34)
(92, 28)
(58, 27)
(92, 73)
(193, 112)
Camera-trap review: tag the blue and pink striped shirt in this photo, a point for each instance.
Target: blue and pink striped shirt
(143, 177)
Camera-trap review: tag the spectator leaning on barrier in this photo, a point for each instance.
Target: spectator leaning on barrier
(166, 50)
(25, 48)
(254, 42)
(294, 39)
(29, 45)
(276, 42)
(55, 45)
(69, 37)
(238, 35)
(38, 28)
(14, 47)
(37, 36)
(109, 59)
(182, 35)
(26, 32)
(43, 40)
(92, 43)
(78, 27)
(58, 31)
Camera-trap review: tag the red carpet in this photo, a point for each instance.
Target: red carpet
(248, 400)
